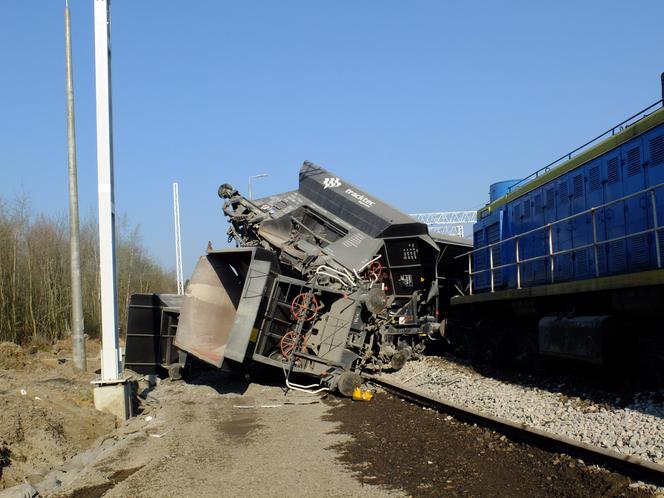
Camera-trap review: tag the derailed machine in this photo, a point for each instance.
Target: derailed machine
(326, 281)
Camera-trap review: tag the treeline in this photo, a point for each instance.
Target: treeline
(35, 285)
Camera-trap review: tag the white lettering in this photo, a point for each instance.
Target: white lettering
(362, 199)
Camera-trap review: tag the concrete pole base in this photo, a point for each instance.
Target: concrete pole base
(114, 398)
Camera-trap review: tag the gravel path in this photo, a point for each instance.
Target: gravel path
(635, 428)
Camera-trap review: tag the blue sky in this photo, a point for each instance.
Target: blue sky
(421, 103)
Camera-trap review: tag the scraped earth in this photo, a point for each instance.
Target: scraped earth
(216, 435)
(46, 412)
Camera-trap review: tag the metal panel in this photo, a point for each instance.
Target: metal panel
(208, 310)
(247, 310)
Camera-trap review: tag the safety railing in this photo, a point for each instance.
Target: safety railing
(612, 131)
(551, 254)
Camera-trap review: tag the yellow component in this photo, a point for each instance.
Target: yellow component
(254, 335)
(421, 279)
(360, 394)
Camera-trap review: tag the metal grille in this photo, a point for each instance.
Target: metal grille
(549, 198)
(633, 161)
(564, 192)
(581, 262)
(578, 186)
(594, 178)
(526, 208)
(567, 254)
(612, 166)
(493, 235)
(639, 251)
(617, 256)
(657, 150)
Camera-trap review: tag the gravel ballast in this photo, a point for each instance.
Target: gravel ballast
(634, 428)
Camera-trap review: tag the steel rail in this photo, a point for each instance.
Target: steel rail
(629, 465)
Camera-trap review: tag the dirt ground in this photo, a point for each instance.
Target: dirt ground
(218, 436)
(424, 453)
(215, 437)
(46, 411)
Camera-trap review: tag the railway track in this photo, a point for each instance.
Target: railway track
(628, 465)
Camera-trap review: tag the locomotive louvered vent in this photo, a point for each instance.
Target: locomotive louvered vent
(538, 204)
(633, 161)
(639, 251)
(564, 193)
(493, 235)
(480, 258)
(479, 237)
(581, 262)
(612, 173)
(526, 208)
(516, 212)
(563, 267)
(578, 186)
(617, 256)
(549, 198)
(594, 178)
(657, 150)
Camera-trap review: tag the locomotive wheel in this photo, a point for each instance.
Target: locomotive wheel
(347, 383)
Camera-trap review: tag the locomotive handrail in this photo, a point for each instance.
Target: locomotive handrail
(561, 220)
(551, 254)
(568, 156)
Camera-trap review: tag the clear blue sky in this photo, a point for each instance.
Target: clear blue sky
(421, 103)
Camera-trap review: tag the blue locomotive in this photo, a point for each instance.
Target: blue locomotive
(568, 262)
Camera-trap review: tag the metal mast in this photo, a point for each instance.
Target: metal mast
(178, 240)
(110, 355)
(447, 222)
(77, 337)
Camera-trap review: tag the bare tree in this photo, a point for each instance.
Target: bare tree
(35, 288)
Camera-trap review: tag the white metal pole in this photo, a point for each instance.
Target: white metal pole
(249, 190)
(178, 239)
(110, 357)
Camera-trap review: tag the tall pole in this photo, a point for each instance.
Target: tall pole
(250, 193)
(110, 354)
(77, 337)
(178, 240)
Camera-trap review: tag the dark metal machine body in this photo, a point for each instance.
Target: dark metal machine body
(325, 281)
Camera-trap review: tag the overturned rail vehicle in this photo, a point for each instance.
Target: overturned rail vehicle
(325, 281)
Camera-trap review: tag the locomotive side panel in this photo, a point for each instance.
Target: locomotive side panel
(573, 249)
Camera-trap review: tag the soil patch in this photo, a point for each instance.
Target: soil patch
(46, 412)
(403, 446)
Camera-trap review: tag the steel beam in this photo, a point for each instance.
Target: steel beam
(110, 354)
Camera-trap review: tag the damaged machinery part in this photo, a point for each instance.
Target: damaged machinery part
(326, 281)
